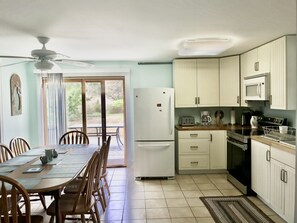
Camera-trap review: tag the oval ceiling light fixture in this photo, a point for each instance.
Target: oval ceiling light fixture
(204, 46)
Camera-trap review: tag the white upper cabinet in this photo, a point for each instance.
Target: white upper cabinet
(185, 80)
(196, 82)
(229, 81)
(256, 61)
(283, 73)
(208, 82)
(264, 59)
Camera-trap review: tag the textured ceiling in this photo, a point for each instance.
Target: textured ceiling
(139, 30)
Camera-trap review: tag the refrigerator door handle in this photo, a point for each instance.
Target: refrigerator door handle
(170, 122)
(153, 146)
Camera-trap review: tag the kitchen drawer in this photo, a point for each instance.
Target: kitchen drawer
(200, 146)
(193, 162)
(194, 135)
(283, 156)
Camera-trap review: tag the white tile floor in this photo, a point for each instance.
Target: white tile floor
(164, 201)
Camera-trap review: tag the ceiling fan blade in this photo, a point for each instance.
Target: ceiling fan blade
(11, 64)
(17, 57)
(77, 63)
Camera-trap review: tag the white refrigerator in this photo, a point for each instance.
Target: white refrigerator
(154, 132)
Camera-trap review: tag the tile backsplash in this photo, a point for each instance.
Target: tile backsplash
(289, 114)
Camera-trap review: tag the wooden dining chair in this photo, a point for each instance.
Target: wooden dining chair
(104, 173)
(82, 202)
(73, 187)
(10, 193)
(18, 146)
(5, 153)
(74, 137)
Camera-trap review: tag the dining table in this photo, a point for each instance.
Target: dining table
(52, 177)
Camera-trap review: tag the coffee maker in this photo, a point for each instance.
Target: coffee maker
(246, 117)
(205, 118)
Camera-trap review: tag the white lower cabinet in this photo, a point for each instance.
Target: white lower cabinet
(201, 150)
(273, 178)
(283, 183)
(194, 162)
(218, 149)
(261, 169)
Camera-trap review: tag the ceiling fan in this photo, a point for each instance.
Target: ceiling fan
(45, 59)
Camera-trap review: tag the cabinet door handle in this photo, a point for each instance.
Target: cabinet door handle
(193, 147)
(259, 90)
(237, 100)
(285, 176)
(210, 138)
(256, 66)
(197, 100)
(194, 135)
(194, 163)
(282, 175)
(268, 155)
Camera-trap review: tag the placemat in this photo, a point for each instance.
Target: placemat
(7, 169)
(18, 161)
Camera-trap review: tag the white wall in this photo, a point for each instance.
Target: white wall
(138, 76)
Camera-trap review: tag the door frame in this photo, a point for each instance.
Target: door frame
(102, 72)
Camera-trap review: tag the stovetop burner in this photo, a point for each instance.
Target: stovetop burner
(243, 135)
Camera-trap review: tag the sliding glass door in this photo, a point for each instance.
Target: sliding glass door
(96, 107)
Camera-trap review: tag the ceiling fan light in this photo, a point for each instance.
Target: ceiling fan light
(44, 65)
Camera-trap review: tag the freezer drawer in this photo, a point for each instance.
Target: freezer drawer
(154, 159)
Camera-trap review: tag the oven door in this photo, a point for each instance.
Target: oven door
(239, 161)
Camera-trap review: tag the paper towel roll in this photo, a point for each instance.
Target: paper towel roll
(232, 117)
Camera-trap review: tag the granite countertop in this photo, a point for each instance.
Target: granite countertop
(276, 144)
(210, 127)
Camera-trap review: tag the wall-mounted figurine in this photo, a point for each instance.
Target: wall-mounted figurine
(15, 95)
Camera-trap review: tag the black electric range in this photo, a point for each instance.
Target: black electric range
(244, 134)
(239, 152)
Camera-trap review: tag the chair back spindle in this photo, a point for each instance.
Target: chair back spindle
(74, 137)
(5, 153)
(18, 146)
(86, 186)
(10, 193)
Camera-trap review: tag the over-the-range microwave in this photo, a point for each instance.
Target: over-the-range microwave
(256, 87)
